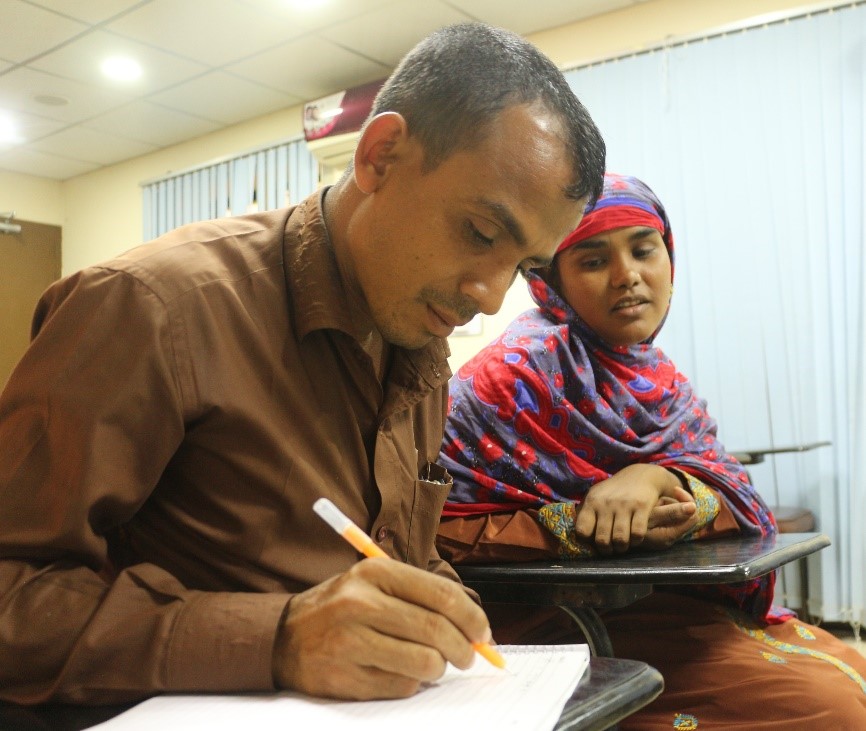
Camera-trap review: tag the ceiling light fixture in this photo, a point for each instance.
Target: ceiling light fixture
(8, 131)
(121, 68)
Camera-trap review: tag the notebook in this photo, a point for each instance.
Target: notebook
(528, 695)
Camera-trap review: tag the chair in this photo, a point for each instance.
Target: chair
(789, 518)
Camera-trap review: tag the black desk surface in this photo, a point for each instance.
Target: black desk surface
(582, 586)
(721, 561)
(610, 690)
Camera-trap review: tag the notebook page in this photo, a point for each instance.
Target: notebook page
(529, 695)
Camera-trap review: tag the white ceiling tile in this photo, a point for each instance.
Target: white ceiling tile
(92, 146)
(309, 68)
(388, 33)
(224, 98)
(21, 87)
(26, 30)
(80, 60)
(87, 11)
(32, 162)
(152, 123)
(530, 17)
(31, 127)
(191, 28)
(323, 15)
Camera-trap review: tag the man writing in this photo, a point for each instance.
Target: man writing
(182, 406)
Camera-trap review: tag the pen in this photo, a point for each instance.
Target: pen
(362, 543)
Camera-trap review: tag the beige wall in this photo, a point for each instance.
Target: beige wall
(32, 198)
(651, 23)
(101, 212)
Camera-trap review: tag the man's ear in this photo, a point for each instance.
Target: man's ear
(380, 146)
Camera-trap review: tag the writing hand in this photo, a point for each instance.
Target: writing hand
(377, 631)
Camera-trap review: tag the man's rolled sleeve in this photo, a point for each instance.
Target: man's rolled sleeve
(225, 642)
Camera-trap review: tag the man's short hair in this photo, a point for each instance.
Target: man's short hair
(457, 80)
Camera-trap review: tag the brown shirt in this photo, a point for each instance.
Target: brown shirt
(161, 445)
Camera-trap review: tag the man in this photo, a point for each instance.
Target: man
(182, 406)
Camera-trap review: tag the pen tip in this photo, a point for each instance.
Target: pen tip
(488, 653)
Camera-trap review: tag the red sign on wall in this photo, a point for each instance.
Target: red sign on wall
(339, 113)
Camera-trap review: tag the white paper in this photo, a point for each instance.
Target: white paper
(528, 695)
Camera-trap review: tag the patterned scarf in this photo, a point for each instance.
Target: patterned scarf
(548, 409)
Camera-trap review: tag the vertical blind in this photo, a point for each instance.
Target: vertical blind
(276, 176)
(756, 143)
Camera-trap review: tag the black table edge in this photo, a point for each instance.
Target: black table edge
(611, 701)
(644, 568)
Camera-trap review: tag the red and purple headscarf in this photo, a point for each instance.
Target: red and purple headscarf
(625, 201)
(548, 409)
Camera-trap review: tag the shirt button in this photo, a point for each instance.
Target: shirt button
(381, 534)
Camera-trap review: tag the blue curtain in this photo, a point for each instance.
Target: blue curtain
(756, 143)
(278, 176)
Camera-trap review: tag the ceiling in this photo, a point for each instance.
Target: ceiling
(207, 64)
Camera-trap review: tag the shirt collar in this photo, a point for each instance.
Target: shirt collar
(319, 299)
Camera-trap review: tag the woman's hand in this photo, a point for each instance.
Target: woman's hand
(669, 521)
(641, 505)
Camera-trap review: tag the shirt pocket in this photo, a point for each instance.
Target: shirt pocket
(429, 496)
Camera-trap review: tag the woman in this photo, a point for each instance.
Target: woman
(573, 434)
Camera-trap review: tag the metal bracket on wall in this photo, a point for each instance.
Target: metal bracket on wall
(6, 225)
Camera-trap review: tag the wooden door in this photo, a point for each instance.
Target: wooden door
(29, 262)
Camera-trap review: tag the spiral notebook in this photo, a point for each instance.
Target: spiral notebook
(528, 695)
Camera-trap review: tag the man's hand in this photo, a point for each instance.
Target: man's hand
(377, 631)
(640, 502)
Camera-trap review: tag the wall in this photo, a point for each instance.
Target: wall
(650, 23)
(32, 198)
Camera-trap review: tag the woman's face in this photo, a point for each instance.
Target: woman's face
(618, 282)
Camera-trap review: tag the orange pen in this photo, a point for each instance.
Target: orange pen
(362, 543)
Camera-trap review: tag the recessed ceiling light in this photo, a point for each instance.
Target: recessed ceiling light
(121, 68)
(8, 131)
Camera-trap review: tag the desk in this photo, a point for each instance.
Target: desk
(755, 456)
(582, 586)
(611, 689)
(789, 518)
